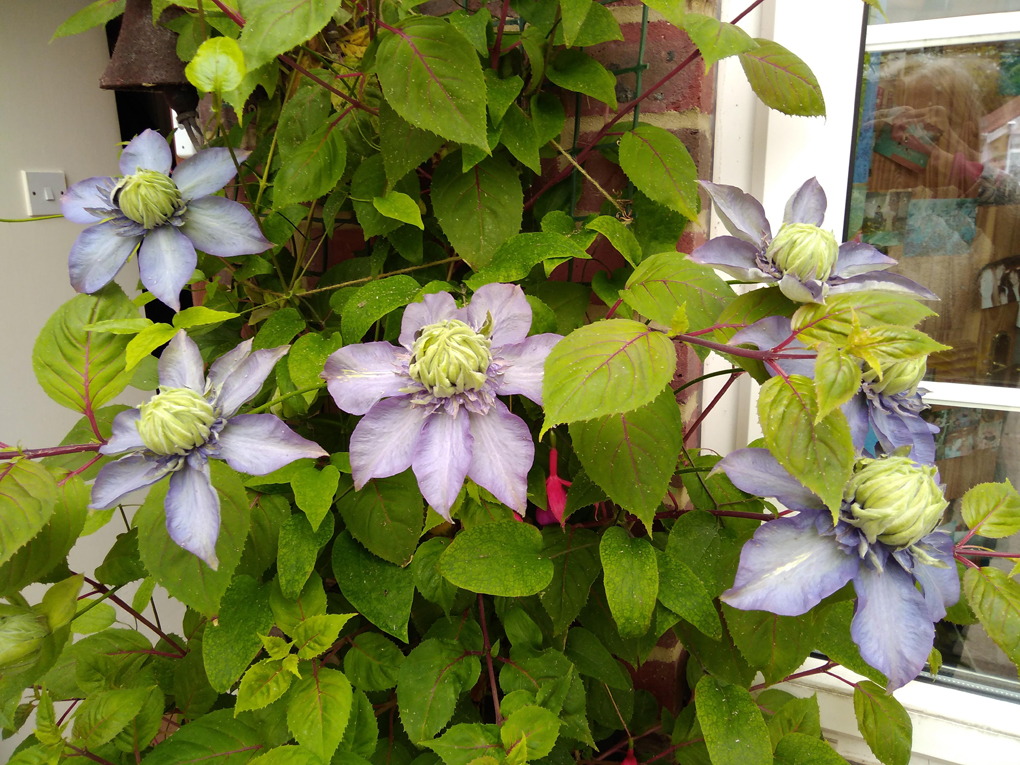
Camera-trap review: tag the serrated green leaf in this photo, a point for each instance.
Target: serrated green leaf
(619, 235)
(28, 498)
(429, 683)
(782, 81)
(308, 356)
(92, 15)
(216, 737)
(379, 590)
(532, 727)
(230, 645)
(312, 169)
(520, 138)
(427, 579)
(279, 329)
(103, 715)
(192, 693)
(403, 146)
(218, 66)
(514, 259)
(373, 662)
(502, 558)
(684, 594)
(500, 94)
(275, 26)
(660, 166)
(995, 599)
(373, 301)
(120, 326)
(882, 345)
(399, 206)
(316, 634)
(122, 563)
(464, 743)
(733, 727)
(262, 684)
(290, 613)
(631, 578)
(319, 708)
(667, 281)
(837, 379)
(200, 316)
(579, 72)
(834, 640)
(992, 509)
(832, 322)
(99, 617)
(599, 26)
(795, 716)
(883, 722)
(576, 565)
(298, 549)
(774, 645)
(803, 749)
(716, 39)
(593, 659)
(386, 516)
(145, 342)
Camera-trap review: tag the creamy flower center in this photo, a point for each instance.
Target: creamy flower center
(894, 500)
(897, 378)
(175, 421)
(449, 358)
(147, 197)
(804, 250)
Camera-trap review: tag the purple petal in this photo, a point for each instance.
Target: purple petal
(891, 625)
(125, 436)
(358, 376)
(181, 365)
(526, 365)
(765, 334)
(146, 151)
(245, 381)
(120, 478)
(258, 444)
(384, 441)
(811, 291)
(97, 255)
(222, 368)
(510, 311)
(742, 214)
(166, 260)
(896, 427)
(90, 194)
(807, 205)
(442, 457)
(756, 471)
(502, 456)
(941, 585)
(787, 567)
(432, 308)
(736, 257)
(223, 228)
(206, 172)
(857, 258)
(881, 282)
(193, 510)
(856, 411)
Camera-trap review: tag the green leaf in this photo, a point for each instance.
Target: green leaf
(619, 235)
(82, 433)
(302, 115)
(312, 169)
(514, 259)
(289, 754)
(120, 326)
(213, 738)
(79, 369)
(801, 749)
(576, 565)
(833, 322)
(599, 26)
(379, 590)
(183, 574)
(818, 453)
(289, 614)
(403, 145)
(229, 645)
(280, 328)
(573, 14)
(474, 27)
(464, 743)
(399, 206)
(605, 368)
(103, 715)
(430, 75)
(427, 579)
(631, 578)
(373, 301)
(800, 716)
(995, 598)
(316, 634)
(386, 516)
(275, 26)
(267, 515)
(837, 379)
(200, 316)
(308, 356)
(92, 15)
(579, 72)
(361, 735)
(145, 342)
(319, 708)
(262, 684)
(217, 67)
(883, 722)
(884, 345)
(520, 138)
(99, 616)
(430, 681)
(501, 94)
(532, 727)
(122, 563)
(684, 594)
(592, 659)
(314, 490)
(782, 81)
(774, 645)
(298, 550)
(666, 281)
(502, 558)
(734, 730)
(192, 693)
(373, 663)
(716, 39)
(477, 210)
(835, 641)
(28, 498)
(547, 116)
(632, 456)
(993, 509)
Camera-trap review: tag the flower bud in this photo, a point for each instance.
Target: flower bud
(175, 421)
(894, 500)
(804, 250)
(148, 197)
(903, 376)
(22, 632)
(449, 357)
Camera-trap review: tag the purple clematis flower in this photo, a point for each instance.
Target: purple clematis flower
(169, 216)
(190, 421)
(884, 541)
(802, 259)
(431, 404)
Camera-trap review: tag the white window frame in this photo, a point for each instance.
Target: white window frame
(770, 154)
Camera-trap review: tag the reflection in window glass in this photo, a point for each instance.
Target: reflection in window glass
(936, 186)
(920, 10)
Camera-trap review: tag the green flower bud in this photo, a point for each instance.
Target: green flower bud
(450, 357)
(804, 250)
(22, 632)
(175, 421)
(894, 500)
(897, 378)
(148, 197)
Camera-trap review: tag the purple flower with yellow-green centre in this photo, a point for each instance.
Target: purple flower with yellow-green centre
(884, 540)
(164, 216)
(805, 260)
(192, 419)
(431, 404)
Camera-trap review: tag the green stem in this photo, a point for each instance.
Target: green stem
(285, 396)
(29, 220)
(373, 278)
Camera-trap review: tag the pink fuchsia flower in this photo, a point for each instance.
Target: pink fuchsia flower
(164, 216)
(431, 404)
(556, 495)
(190, 421)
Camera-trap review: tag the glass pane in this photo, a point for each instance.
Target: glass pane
(918, 10)
(936, 186)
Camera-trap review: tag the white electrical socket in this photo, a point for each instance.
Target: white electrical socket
(43, 192)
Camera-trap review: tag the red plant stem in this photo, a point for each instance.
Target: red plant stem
(714, 327)
(352, 101)
(488, 658)
(985, 553)
(712, 404)
(104, 589)
(499, 33)
(87, 754)
(966, 561)
(80, 470)
(74, 703)
(611, 311)
(823, 669)
(50, 451)
(230, 14)
(627, 742)
(673, 748)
